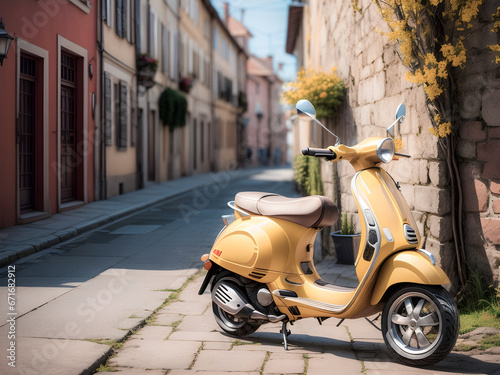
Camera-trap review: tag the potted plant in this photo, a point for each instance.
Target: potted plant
(146, 69)
(186, 83)
(346, 242)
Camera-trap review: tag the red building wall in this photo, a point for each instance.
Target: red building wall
(42, 30)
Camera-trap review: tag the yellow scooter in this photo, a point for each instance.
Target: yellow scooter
(261, 268)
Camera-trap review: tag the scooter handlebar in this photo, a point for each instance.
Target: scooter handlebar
(319, 153)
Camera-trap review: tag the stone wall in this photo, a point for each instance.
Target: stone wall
(370, 66)
(479, 148)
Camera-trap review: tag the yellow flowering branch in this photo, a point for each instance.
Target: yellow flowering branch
(325, 91)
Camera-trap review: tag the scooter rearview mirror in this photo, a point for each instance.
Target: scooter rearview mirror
(305, 109)
(401, 112)
(400, 116)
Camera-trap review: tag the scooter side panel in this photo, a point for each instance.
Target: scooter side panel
(407, 267)
(255, 247)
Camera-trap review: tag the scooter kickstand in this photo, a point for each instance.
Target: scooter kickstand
(285, 333)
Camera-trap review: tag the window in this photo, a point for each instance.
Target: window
(165, 48)
(107, 110)
(69, 129)
(27, 133)
(121, 18)
(215, 41)
(175, 66)
(151, 34)
(138, 26)
(106, 11)
(122, 116)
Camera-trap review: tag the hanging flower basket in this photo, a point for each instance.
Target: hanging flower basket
(146, 70)
(185, 84)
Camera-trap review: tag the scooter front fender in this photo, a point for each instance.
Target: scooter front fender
(409, 266)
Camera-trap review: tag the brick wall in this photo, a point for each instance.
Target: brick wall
(370, 66)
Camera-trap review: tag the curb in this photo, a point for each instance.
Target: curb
(13, 252)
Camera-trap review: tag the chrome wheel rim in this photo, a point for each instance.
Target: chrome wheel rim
(415, 325)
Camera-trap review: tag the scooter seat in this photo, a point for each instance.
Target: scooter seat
(314, 211)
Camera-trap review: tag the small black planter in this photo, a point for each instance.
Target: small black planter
(346, 247)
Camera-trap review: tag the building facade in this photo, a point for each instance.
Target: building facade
(83, 110)
(263, 131)
(49, 103)
(116, 172)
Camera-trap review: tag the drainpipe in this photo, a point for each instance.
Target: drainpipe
(100, 44)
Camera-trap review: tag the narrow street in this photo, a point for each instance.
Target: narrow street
(98, 286)
(77, 303)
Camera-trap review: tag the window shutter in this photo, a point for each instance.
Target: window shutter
(124, 18)
(119, 19)
(107, 110)
(164, 49)
(138, 26)
(122, 117)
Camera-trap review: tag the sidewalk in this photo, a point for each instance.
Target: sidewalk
(22, 240)
(183, 338)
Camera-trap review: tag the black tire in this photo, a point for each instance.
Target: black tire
(232, 325)
(420, 324)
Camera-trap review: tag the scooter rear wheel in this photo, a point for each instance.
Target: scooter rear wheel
(420, 324)
(232, 325)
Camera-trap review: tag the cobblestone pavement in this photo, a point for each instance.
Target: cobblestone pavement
(183, 338)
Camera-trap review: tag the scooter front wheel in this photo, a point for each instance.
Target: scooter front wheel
(420, 324)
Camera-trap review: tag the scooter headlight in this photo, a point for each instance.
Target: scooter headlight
(385, 150)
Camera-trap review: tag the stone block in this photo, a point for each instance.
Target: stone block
(496, 206)
(495, 187)
(490, 107)
(438, 173)
(408, 192)
(390, 55)
(393, 85)
(488, 150)
(431, 199)
(378, 65)
(440, 227)
(284, 363)
(491, 170)
(475, 194)
(470, 105)
(378, 86)
(466, 149)
(375, 49)
(423, 146)
(365, 72)
(472, 131)
(491, 230)
(218, 360)
(494, 132)
(156, 354)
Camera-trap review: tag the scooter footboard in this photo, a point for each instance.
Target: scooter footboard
(410, 266)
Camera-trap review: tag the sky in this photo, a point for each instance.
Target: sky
(267, 22)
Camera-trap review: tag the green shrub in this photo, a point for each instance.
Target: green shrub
(307, 174)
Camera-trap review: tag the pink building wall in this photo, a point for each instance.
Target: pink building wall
(42, 30)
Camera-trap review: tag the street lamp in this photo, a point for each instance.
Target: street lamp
(5, 40)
